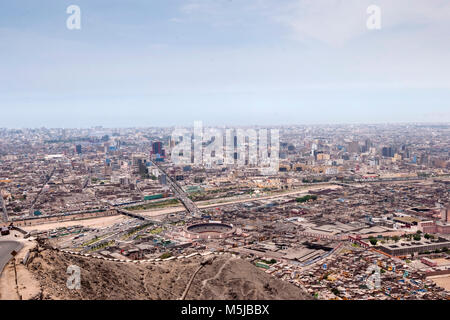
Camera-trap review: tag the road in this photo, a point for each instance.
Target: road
(180, 194)
(205, 204)
(6, 247)
(48, 178)
(213, 203)
(137, 216)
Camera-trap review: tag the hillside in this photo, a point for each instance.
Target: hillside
(225, 277)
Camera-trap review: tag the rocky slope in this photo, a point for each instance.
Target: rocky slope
(223, 277)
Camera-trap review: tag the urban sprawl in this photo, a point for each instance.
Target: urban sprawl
(353, 211)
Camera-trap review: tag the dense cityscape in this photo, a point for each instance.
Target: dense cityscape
(353, 211)
(223, 159)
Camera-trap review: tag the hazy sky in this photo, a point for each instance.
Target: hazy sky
(170, 62)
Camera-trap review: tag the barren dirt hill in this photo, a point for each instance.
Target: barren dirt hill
(225, 277)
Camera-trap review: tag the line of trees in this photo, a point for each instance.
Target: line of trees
(306, 198)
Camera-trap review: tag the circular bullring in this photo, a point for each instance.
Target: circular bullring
(209, 230)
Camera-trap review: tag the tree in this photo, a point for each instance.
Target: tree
(165, 255)
(373, 241)
(335, 291)
(306, 198)
(417, 237)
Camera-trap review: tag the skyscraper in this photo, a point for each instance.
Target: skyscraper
(157, 147)
(387, 152)
(353, 147)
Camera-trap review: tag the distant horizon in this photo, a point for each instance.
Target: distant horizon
(231, 125)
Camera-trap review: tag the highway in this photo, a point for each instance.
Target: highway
(137, 216)
(6, 247)
(48, 178)
(180, 194)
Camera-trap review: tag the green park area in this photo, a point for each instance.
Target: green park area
(156, 231)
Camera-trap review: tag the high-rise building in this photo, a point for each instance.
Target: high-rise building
(78, 148)
(445, 213)
(374, 162)
(313, 149)
(353, 147)
(368, 144)
(387, 152)
(157, 147)
(143, 171)
(162, 179)
(106, 147)
(424, 159)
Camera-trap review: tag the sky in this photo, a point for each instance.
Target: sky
(139, 63)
